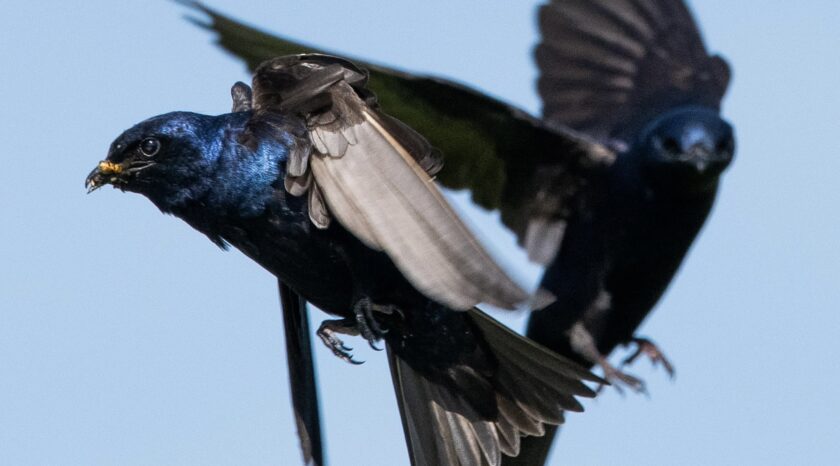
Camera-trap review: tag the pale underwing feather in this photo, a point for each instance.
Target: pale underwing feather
(356, 197)
(318, 212)
(340, 205)
(297, 185)
(411, 221)
(543, 238)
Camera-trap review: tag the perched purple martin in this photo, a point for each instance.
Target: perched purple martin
(310, 180)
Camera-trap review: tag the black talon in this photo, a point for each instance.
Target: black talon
(326, 332)
(366, 323)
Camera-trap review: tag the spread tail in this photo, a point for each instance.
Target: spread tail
(456, 424)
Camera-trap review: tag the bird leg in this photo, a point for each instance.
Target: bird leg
(584, 344)
(327, 333)
(654, 354)
(366, 323)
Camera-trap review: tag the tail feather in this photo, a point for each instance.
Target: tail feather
(534, 450)
(531, 388)
(532, 354)
(440, 429)
(519, 421)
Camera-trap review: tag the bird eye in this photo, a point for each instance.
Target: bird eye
(149, 147)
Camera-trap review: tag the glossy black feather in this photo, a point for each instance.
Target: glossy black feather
(609, 67)
(302, 379)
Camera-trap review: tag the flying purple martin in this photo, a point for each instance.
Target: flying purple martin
(312, 181)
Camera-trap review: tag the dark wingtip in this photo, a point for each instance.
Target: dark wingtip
(197, 7)
(191, 4)
(203, 24)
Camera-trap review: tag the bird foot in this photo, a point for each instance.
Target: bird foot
(648, 348)
(612, 374)
(366, 322)
(327, 333)
(584, 344)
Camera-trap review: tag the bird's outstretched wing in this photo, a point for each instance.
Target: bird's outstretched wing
(536, 175)
(374, 175)
(609, 66)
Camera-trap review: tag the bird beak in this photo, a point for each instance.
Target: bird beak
(117, 174)
(104, 173)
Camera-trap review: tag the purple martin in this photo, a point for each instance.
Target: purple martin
(312, 181)
(636, 76)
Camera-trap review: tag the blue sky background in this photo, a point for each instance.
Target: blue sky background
(127, 338)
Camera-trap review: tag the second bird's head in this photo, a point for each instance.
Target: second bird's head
(689, 147)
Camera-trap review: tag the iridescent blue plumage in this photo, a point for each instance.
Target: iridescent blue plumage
(203, 162)
(470, 378)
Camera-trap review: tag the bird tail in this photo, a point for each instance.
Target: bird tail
(534, 450)
(528, 389)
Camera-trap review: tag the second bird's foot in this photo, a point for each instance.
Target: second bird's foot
(614, 376)
(653, 353)
(583, 343)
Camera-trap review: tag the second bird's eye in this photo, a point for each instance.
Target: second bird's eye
(149, 147)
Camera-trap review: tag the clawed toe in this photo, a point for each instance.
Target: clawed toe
(583, 343)
(363, 324)
(366, 321)
(611, 374)
(327, 333)
(653, 353)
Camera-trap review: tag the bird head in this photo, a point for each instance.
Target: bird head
(689, 147)
(165, 158)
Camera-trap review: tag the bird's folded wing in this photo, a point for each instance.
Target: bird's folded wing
(607, 66)
(373, 174)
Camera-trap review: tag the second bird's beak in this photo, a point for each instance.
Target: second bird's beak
(699, 156)
(104, 173)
